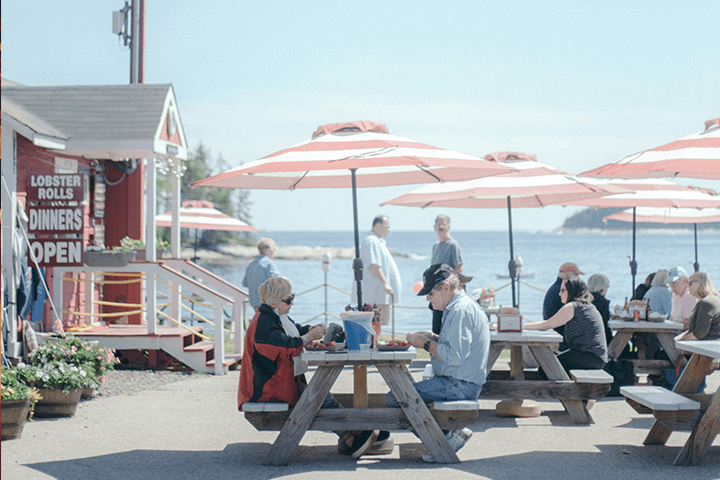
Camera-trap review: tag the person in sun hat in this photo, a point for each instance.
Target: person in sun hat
(552, 303)
(682, 302)
(458, 354)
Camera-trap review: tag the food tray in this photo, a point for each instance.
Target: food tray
(392, 348)
(334, 348)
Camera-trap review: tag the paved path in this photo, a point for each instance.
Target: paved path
(191, 429)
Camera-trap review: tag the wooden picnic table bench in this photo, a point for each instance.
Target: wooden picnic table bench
(683, 409)
(365, 411)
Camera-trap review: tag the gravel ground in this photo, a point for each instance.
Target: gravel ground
(128, 382)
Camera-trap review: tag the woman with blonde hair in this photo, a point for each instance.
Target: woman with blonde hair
(271, 370)
(704, 323)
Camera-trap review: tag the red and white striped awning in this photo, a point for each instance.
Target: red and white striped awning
(379, 158)
(534, 184)
(695, 156)
(202, 215)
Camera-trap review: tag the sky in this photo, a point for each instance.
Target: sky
(579, 84)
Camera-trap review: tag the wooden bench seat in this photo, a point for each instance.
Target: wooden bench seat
(591, 376)
(675, 412)
(659, 398)
(449, 415)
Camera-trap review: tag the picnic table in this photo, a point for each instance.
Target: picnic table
(665, 332)
(366, 411)
(683, 409)
(518, 384)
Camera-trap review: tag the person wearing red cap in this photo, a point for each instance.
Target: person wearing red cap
(552, 303)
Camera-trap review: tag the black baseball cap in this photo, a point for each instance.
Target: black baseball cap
(434, 275)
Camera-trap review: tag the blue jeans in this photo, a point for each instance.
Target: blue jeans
(440, 388)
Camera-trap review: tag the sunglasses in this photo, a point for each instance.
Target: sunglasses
(290, 299)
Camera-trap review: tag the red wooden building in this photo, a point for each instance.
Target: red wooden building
(109, 139)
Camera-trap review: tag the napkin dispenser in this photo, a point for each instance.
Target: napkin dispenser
(509, 322)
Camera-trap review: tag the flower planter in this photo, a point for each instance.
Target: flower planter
(142, 255)
(107, 258)
(14, 416)
(55, 403)
(88, 392)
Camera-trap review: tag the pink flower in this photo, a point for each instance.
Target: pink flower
(103, 380)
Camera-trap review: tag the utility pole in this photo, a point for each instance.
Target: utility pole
(134, 17)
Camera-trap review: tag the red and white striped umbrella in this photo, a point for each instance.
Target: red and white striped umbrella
(354, 154)
(534, 184)
(379, 159)
(652, 192)
(695, 156)
(667, 215)
(202, 215)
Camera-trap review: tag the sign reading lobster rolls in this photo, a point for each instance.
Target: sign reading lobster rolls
(55, 188)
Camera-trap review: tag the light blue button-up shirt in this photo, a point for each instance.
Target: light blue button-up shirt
(259, 270)
(464, 341)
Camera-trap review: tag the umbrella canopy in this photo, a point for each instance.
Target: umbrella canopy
(696, 156)
(202, 215)
(354, 154)
(652, 193)
(667, 215)
(534, 184)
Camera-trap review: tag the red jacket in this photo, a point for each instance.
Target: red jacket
(266, 371)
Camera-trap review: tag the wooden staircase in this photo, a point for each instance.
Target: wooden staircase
(198, 354)
(183, 345)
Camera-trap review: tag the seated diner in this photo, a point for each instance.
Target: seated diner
(271, 368)
(584, 332)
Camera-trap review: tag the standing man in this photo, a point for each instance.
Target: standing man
(260, 269)
(552, 303)
(445, 251)
(381, 284)
(459, 354)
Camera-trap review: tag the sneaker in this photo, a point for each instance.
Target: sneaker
(457, 439)
(342, 443)
(363, 441)
(384, 445)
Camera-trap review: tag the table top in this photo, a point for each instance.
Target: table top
(526, 336)
(644, 325)
(709, 348)
(349, 357)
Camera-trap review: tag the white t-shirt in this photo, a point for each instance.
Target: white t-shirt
(374, 251)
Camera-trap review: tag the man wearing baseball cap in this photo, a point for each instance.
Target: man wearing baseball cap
(458, 354)
(552, 303)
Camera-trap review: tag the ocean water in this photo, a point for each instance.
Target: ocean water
(486, 254)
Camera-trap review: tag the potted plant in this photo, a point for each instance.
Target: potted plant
(18, 403)
(62, 369)
(128, 244)
(100, 359)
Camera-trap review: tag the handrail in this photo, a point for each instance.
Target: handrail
(152, 271)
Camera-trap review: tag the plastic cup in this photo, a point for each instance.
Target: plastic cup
(364, 347)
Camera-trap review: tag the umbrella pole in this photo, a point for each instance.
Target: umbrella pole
(195, 250)
(633, 263)
(512, 265)
(357, 261)
(696, 265)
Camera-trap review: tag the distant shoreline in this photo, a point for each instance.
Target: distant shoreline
(227, 253)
